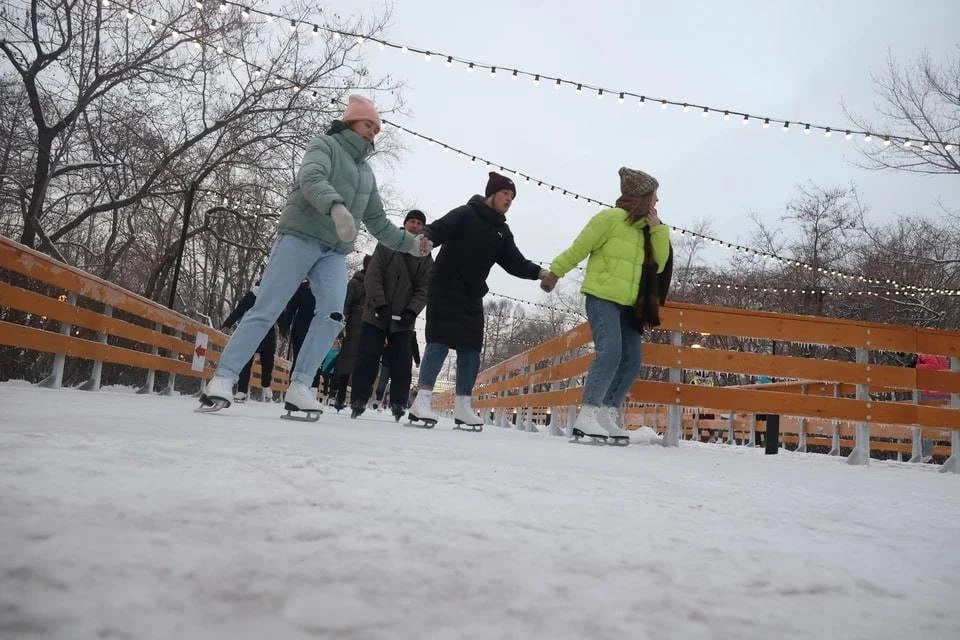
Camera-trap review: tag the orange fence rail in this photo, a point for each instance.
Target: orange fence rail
(544, 383)
(70, 303)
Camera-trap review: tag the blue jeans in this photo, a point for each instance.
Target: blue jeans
(618, 348)
(468, 365)
(291, 259)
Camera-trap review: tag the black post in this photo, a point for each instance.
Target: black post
(187, 208)
(771, 441)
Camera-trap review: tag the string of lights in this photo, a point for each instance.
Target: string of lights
(621, 95)
(294, 86)
(683, 232)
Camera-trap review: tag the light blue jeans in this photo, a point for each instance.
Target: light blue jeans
(468, 365)
(291, 259)
(619, 353)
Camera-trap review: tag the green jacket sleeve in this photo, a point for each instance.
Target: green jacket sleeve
(314, 176)
(591, 237)
(660, 239)
(376, 221)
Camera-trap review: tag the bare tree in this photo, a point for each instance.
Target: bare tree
(920, 101)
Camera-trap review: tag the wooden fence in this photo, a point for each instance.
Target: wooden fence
(826, 401)
(68, 312)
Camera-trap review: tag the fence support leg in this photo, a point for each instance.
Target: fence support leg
(916, 445)
(802, 446)
(731, 434)
(752, 438)
(835, 441)
(952, 464)
(55, 379)
(93, 384)
(674, 414)
(861, 447)
(151, 374)
(173, 377)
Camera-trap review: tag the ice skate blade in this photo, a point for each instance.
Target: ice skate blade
(459, 425)
(312, 415)
(209, 404)
(412, 421)
(618, 441)
(579, 437)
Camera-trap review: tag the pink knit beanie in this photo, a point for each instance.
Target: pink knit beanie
(360, 108)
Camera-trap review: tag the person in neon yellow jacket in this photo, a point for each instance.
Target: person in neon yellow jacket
(614, 242)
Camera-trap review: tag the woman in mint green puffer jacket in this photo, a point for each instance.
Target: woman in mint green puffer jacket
(614, 240)
(335, 191)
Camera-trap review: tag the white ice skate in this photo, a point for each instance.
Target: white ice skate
(421, 411)
(586, 428)
(607, 417)
(216, 396)
(464, 417)
(301, 398)
(239, 397)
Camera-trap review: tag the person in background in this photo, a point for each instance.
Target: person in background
(267, 349)
(352, 332)
(396, 292)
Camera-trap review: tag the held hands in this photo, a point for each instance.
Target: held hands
(344, 223)
(548, 280)
(407, 317)
(422, 246)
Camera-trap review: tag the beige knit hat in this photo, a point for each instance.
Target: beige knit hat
(635, 183)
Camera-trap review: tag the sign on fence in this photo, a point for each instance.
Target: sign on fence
(199, 352)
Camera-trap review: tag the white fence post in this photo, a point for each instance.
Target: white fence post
(674, 419)
(55, 379)
(93, 384)
(151, 374)
(861, 446)
(173, 376)
(835, 441)
(953, 462)
(752, 438)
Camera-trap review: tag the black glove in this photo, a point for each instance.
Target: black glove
(383, 311)
(407, 317)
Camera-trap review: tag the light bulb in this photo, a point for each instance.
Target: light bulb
(620, 99)
(746, 120)
(786, 127)
(449, 61)
(705, 113)
(536, 79)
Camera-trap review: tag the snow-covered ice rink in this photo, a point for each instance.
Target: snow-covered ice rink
(127, 516)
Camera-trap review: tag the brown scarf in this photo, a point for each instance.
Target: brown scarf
(653, 286)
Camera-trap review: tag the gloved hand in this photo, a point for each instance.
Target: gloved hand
(343, 221)
(407, 317)
(383, 311)
(548, 280)
(423, 246)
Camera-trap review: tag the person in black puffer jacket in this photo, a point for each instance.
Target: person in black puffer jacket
(472, 238)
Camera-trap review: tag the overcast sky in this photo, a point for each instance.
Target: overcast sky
(793, 60)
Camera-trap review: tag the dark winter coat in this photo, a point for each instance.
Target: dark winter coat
(298, 314)
(353, 316)
(399, 281)
(471, 238)
(269, 342)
